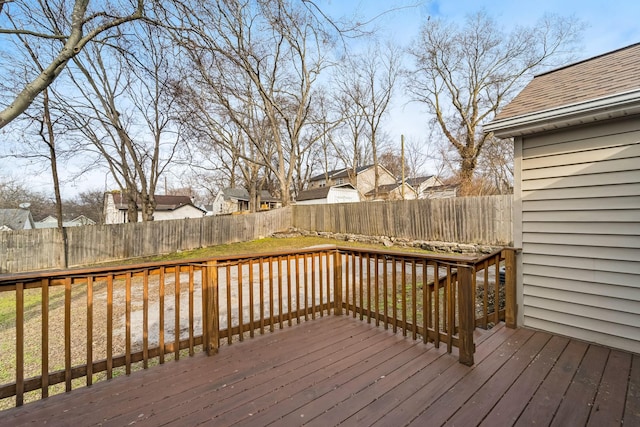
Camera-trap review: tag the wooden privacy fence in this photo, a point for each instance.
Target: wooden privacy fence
(78, 326)
(482, 220)
(29, 250)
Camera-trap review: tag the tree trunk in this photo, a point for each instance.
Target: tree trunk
(465, 176)
(132, 207)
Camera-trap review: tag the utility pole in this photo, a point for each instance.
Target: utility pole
(402, 155)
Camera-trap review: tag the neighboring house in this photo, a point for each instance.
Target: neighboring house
(16, 219)
(232, 200)
(363, 181)
(167, 207)
(52, 222)
(440, 192)
(344, 193)
(431, 187)
(576, 132)
(393, 192)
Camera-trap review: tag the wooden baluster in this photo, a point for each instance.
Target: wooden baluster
(211, 321)
(191, 311)
(280, 298)
(426, 303)
(511, 307)
(361, 286)
(305, 272)
(466, 309)
(161, 313)
(176, 327)
(337, 283)
(109, 328)
(44, 301)
(376, 279)
(368, 261)
(297, 283)
(321, 285)
(20, 344)
(271, 318)
(313, 286)
(228, 293)
(127, 354)
(353, 284)
(436, 304)
(251, 300)
(240, 290)
(385, 289)
(485, 296)
(346, 285)
(403, 293)
(261, 285)
(414, 305)
(145, 319)
(289, 291)
(394, 294)
(496, 291)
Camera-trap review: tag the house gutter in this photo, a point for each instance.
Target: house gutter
(608, 107)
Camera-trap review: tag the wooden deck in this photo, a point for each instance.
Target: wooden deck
(339, 370)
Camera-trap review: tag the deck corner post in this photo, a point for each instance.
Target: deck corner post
(337, 283)
(511, 308)
(211, 327)
(466, 311)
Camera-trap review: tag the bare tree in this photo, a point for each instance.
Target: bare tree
(465, 74)
(367, 82)
(125, 111)
(73, 24)
(264, 56)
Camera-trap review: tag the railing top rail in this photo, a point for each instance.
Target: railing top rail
(123, 268)
(463, 259)
(8, 279)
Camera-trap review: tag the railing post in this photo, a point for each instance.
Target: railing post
(337, 283)
(211, 326)
(466, 311)
(510, 307)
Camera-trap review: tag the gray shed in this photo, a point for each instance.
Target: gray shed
(576, 133)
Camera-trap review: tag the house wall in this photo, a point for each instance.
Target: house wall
(222, 207)
(112, 215)
(578, 195)
(342, 195)
(182, 212)
(366, 180)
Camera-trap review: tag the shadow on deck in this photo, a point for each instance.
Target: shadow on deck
(339, 370)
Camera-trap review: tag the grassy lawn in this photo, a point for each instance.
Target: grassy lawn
(269, 244)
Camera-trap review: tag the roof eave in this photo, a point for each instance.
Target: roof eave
(604, 108)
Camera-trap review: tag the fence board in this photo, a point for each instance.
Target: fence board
(29, 250)
(477, 220)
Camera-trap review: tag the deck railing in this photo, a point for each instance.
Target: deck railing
(79, 326)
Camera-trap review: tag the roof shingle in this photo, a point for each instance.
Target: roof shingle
(612, 73)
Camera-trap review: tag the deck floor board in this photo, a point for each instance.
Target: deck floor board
(337, 370)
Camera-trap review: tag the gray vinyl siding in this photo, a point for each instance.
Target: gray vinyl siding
(579, 193)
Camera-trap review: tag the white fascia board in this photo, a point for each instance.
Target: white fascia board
(608, 107)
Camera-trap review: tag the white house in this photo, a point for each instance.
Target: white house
(167, 207)
(576, 196)
(52, 222)
(432, 187)
(363, 178)
(345, 193)
(230, 200)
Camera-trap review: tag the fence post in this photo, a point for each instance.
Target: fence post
(337, 283)
(210, 325)
(511, 307)
(466, 310)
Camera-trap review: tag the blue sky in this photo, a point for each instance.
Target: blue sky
(610, 25)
